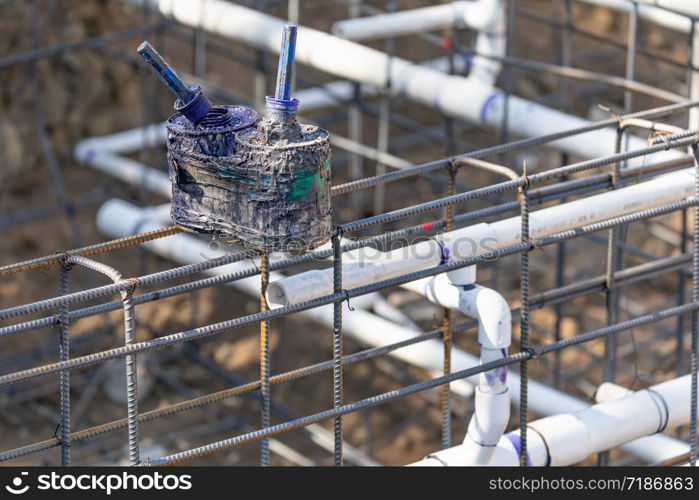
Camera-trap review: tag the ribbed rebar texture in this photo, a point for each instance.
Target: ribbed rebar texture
(64, 355)
(264, 360)
(446, 327)
(695, 326)
(550, 297)
(414, 388)
(98, 248)
(507, 148)
(611, 296)
(130, 359)
(512, 184)
(337, 346)
(524, 324)
(196, 333)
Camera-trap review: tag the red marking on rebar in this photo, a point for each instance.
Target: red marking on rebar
(446, 44)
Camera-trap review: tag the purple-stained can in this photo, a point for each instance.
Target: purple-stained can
(196, 156)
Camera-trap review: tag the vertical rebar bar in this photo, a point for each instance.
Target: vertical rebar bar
(566, 61)
(612, 294)
(131, 379)
(293, 16)
(632, 39)
(199, 45)
(558, 307)
(681, 297)
(384, 128)
(682, 280)
(337, 344)
(524, 323)
(508, 72)
(264, 360)
(64, 355)
(695, 330)
(260, 80)
(130, 359)
(355, 126)
(612, 263)
(446, 330)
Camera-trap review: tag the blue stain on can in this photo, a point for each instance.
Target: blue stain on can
(284, 203)
(201, 144)
(199, 159)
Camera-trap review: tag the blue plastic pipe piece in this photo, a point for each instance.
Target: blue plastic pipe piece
(191, 101)
(286, 64)
(281, 106)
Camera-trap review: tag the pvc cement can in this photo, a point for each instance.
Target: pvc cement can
(281, 199)
(200, 190)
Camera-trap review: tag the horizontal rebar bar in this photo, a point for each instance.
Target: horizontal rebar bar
(373, 401)
(622, 277)
(510, 185)
(201, 332)
(508, 147)
(95, 249)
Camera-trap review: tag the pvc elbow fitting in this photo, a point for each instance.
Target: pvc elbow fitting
(493, 313)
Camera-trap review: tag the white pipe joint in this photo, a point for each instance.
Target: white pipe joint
(493, 314)
(492, 402)
(486, 426)
(571, 438)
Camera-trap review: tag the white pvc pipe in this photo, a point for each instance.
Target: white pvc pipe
(481, 238)
(104, 154)
(487, 17)
(659, 16)
(478, 14)
(458, 290)
(466, 98)
(569, 438)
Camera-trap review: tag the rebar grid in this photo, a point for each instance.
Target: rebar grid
(338, 298)
(544, 299)
(615, 277)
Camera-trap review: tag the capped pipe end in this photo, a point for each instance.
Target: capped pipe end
(196, 109)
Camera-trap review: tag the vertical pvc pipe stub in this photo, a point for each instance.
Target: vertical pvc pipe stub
(196, 109)
(281, 109)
